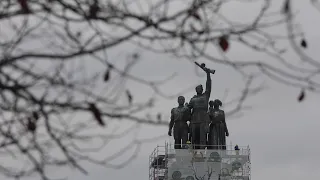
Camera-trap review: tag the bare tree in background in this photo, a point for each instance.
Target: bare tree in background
(49, 48)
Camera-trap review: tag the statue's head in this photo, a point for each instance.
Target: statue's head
(217, 103)
(181, 100)
(211, 103)
(199, 89)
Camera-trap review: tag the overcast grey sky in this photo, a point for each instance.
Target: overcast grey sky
(281, 132)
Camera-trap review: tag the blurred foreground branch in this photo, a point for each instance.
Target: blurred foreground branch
(59, 88)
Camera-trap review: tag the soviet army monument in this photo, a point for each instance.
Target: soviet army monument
(199, 151)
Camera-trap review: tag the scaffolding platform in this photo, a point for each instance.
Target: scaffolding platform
(158, 162)
(167, 163)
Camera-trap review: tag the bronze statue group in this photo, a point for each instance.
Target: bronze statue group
(207, 126)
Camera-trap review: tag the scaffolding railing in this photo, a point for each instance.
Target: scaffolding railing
(229, 149)
(158, 163)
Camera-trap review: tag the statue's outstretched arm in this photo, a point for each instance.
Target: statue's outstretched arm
(171, 120)
(208, 85)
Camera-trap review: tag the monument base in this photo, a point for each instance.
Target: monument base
(167, 163)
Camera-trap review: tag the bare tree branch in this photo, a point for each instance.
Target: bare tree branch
(59, 81)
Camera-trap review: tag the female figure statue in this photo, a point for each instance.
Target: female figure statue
(218, 126)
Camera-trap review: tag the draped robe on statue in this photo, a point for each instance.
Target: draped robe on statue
(218, 128)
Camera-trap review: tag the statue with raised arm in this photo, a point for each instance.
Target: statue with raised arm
(218, 126)
(179, 117)
(199, 118)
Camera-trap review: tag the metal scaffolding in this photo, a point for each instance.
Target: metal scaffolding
(210, 163)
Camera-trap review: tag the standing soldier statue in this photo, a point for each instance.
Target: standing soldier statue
(218, 126)
(179, 117)
(199, 118)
